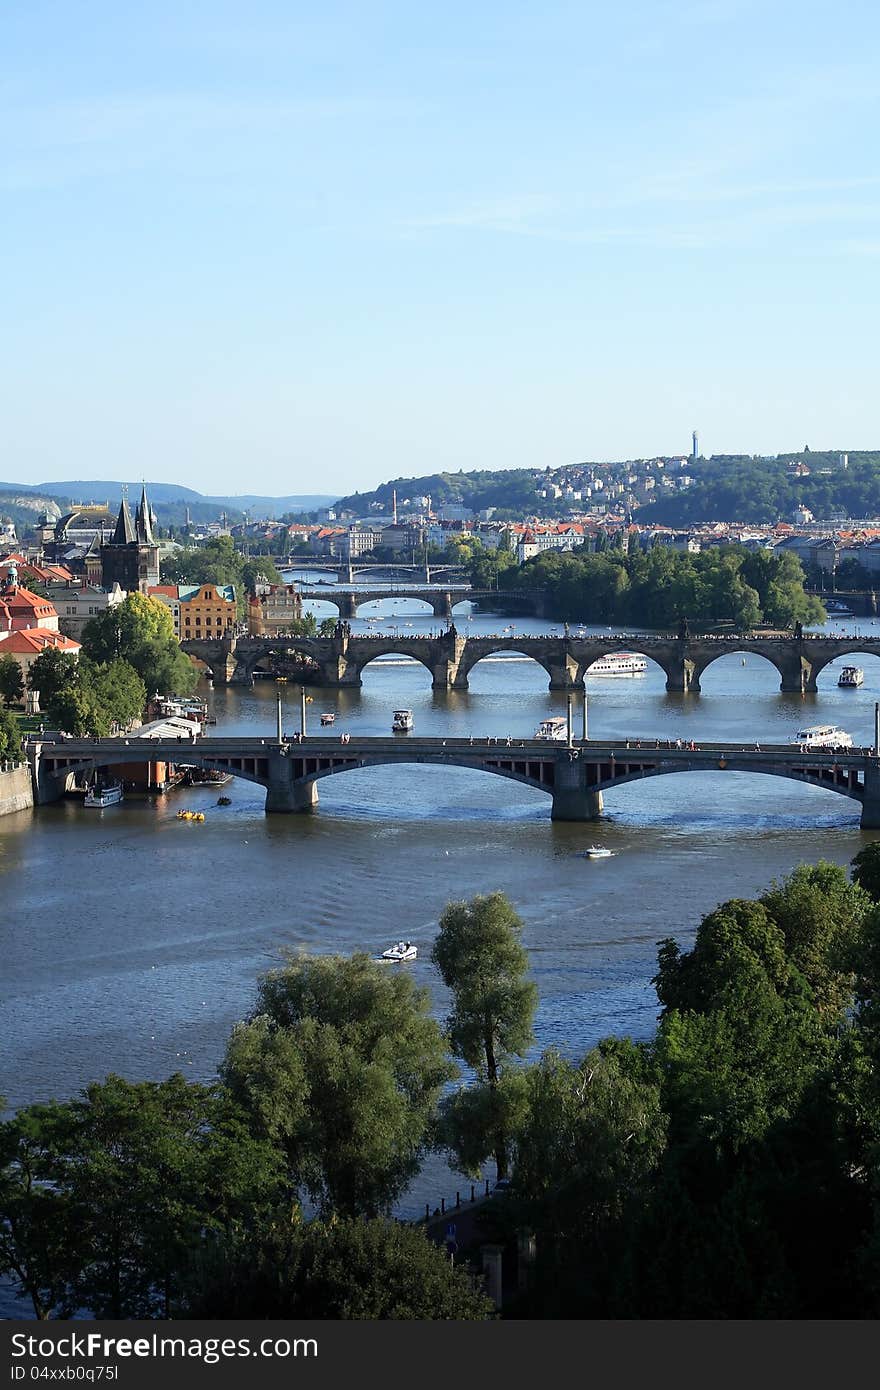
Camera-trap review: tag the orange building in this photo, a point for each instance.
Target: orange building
(206, 610)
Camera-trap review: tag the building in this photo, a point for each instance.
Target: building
(131, 557)
(20, 609)
(168, 594)
(206, 610)
(76, 606)
(29, 643)
(273, 608)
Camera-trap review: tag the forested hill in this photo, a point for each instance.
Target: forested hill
(511, 489)
(734, 488)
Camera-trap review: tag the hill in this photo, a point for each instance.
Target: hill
(169, 500)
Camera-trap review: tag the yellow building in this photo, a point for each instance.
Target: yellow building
(206, 610)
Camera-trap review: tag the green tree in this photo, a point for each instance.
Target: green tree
(866, 870)
(10, 735)
(105, 1198)
(481, 960)
(52, 672)
(343, 1269)
(341, 1064)
(140, 630)
(11, 680)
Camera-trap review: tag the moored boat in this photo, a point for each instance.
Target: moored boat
(101, 796)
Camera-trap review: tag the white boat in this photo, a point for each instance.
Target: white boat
(402, 950)
(552, 730)
(851, 677)
(402, 720)
(104, 796)
(822, 736)
(618, 664)
(328, 717)
(598, 852)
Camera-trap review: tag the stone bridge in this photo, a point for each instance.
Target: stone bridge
(346, 572)
(575, 776)
(339, 661)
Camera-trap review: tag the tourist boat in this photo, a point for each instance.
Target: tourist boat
(328, 717)
(822, 736)
(110, 795)
(402, 720)
(851, 676)
(618, 664)
(552, 730)
(207, 777)
(598, 852)
(402, 950)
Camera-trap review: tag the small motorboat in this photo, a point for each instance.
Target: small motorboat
(402, 950)
(402, 721)
(328, 717)
(598, 852)
(224, 800)
(851, 677)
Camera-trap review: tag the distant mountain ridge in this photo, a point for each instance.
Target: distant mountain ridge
(171, 496)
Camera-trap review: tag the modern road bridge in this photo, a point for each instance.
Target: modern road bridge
(575, 776)
(339, 661)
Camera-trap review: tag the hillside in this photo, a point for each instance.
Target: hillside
(169, 500)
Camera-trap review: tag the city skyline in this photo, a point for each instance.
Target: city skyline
(306, 253)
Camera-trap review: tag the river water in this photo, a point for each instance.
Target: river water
(131, 941)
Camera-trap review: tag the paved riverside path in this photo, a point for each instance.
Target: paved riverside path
(575, 776)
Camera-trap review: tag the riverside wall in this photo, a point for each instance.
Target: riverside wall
(16, 789)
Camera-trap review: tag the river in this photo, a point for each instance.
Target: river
(131, 941)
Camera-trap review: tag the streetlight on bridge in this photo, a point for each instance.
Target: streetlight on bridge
(280, 683)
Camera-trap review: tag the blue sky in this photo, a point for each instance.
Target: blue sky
(289, 248)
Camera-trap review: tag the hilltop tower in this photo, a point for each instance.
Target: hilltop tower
(131, 557)
(695, 451)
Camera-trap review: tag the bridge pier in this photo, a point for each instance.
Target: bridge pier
(564, 675)
(573, 800)
(871, 799)
(683, 678)
(283, 794)
(797, 676)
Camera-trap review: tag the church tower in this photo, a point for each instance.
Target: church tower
(131, 558)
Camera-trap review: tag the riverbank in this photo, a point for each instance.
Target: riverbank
(16, 789)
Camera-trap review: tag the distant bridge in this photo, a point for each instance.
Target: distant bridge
(575, 777)
(339, 661)
(442, 599)
(346, 572)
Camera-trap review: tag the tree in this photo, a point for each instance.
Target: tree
(341, 1065)
(11, 680)
(104, 1198)
(140, 630)
(481, 960)
(10, 735)
(344, 1269)
(866, 870)
(51, 672)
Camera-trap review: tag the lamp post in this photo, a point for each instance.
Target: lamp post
(303, 701)
(280, 683)
(586, 736)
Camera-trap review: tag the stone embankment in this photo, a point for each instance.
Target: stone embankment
(16, 788)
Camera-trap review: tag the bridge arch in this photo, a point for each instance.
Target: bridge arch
(484, 648)
(358, 661)
(139, 751)
(845, 658)
(744, 655)
(842, 787)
